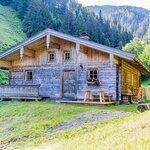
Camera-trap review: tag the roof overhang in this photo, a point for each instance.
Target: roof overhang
(70, 38)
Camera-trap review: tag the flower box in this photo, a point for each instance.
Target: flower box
(93, 82)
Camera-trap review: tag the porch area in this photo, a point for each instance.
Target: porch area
(92, 97)
(132, 94)
(19, 92)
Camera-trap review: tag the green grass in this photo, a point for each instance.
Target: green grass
(128, 133)
(11, 31)
(26, 123)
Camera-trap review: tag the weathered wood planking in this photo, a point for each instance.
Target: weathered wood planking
(130, 76)
(41, 55)
(19, 91)
(5, 64)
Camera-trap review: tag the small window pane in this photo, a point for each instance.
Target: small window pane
(28, 76)
(67, 55)
(52, 56)
(93, 74)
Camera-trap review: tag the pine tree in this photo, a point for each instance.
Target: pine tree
(37, 18)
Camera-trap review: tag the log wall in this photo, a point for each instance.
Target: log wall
(130, 77)
(50, 79)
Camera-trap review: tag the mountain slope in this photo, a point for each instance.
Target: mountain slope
(133, 19)
(69, 17)
(11, 31)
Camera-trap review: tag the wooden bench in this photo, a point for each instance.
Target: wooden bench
(95, 97)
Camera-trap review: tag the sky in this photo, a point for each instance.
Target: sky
(138, 3)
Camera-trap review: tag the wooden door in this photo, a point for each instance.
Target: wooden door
(69, 84)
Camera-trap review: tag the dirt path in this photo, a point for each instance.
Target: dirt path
(89, 117)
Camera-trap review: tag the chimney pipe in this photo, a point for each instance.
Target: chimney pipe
(84, 36)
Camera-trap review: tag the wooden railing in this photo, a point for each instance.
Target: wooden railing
(19, 91)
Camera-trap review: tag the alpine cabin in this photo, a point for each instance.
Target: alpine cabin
(55, 65)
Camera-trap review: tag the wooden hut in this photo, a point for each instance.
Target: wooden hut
(59, 66)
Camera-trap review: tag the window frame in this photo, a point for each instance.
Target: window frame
(64, 56)
(26, 75)
(93, 70)
(49, 53)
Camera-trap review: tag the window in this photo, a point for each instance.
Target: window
(51, 56)
(67, 56)
(93, 74)
(28, 75)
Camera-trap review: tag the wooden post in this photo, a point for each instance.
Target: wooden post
(77, 51)
(111, 60)
(21, 52)
(48, 41)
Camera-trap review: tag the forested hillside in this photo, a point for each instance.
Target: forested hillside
(133, 19)
(69, 17)
(11, 31)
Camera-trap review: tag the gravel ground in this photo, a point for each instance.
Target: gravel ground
(89, 117)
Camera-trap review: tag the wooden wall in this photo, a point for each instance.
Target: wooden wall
(86, 55)
(130, 77)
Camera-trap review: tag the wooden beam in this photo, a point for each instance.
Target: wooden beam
(111, 59)
(21, 52)
(35, 45)
(48, 41)
(77, 52)
(29, 53)
(5, 64)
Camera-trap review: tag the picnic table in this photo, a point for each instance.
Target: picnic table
(101, 96)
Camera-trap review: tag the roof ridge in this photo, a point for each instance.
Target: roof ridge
(71, 38)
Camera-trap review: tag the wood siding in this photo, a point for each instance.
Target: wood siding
(130, 77)
(19, 91)
(86, 55)
(50, 79)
